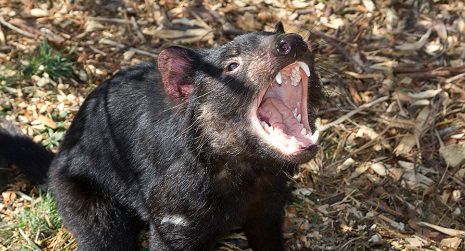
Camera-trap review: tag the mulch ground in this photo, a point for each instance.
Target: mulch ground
(390, 171)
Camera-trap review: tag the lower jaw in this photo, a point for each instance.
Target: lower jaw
(283, 160)
(305, 155)
(274, 154)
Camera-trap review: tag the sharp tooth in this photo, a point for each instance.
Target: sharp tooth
(314, 137)
(304, 66)
(279, 78)
(265, 125)
(303, 131)
(293, 139)
(299, 118)
(295, 112)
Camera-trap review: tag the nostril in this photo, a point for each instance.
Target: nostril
(284, 47)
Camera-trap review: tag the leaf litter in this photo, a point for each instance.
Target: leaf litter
(390, 174)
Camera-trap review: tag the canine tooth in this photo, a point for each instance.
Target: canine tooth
(304, 66)
(303, 131)
(265, 125)
(295, 112)
(279, 78)
(314, 137)
(299, 117)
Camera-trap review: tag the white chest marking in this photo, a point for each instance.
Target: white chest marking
(175, 219)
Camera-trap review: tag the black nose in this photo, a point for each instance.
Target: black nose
(290, 44)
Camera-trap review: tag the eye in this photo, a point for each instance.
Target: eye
(232, 66)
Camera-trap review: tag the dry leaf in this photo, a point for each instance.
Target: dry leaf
(39, 12)
(358, 171)
(450, 243)
(405, 146)
(422, 122)
(47, 121)
(417, 45)
(184, 36)
(346, 164)
(440, 29)
(415, 242)
(369, 5)
(379, 169)
(453, 154)
(8, 197)
(425, 94)
(92, 25)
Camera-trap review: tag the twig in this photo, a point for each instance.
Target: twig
(116, 20)
(2, 37)
(136, 28)
(24, 196)
(456, 77)
(448, 231)
(352, 113)
(34, 245)
(431, 72)
(123, 46)
(385, 209)
(412, 69)
(335, 43)
(18, 30)
(348, 242)
(21, 28)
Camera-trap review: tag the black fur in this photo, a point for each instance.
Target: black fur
(187, 165)
(33, 159)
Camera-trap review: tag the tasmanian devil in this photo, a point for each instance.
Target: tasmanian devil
(199, 142)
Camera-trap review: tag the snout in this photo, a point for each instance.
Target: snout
(291, 45)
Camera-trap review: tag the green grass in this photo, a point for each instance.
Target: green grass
(31, 225)
(47, 60)
(8, 80)
(8, 76)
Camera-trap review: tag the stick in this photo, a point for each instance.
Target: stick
(335, 43)
(136, 28)
(2, 37)
(18, 30)
(116, 20)
(352, 113)
(34, 245)
(448, 231)
(123, 46)
(411, 69)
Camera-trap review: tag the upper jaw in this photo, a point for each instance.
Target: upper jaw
(295, 78)
(279, 117)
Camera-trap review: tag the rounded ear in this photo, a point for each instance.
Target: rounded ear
(279, 28)
(175, 65)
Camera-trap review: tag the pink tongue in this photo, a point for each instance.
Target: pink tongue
(278, 115)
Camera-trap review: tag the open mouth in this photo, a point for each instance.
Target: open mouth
(280, 115)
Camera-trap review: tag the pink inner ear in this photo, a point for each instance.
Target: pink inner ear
(174, 67)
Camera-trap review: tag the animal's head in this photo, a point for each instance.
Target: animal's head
(254, 97)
